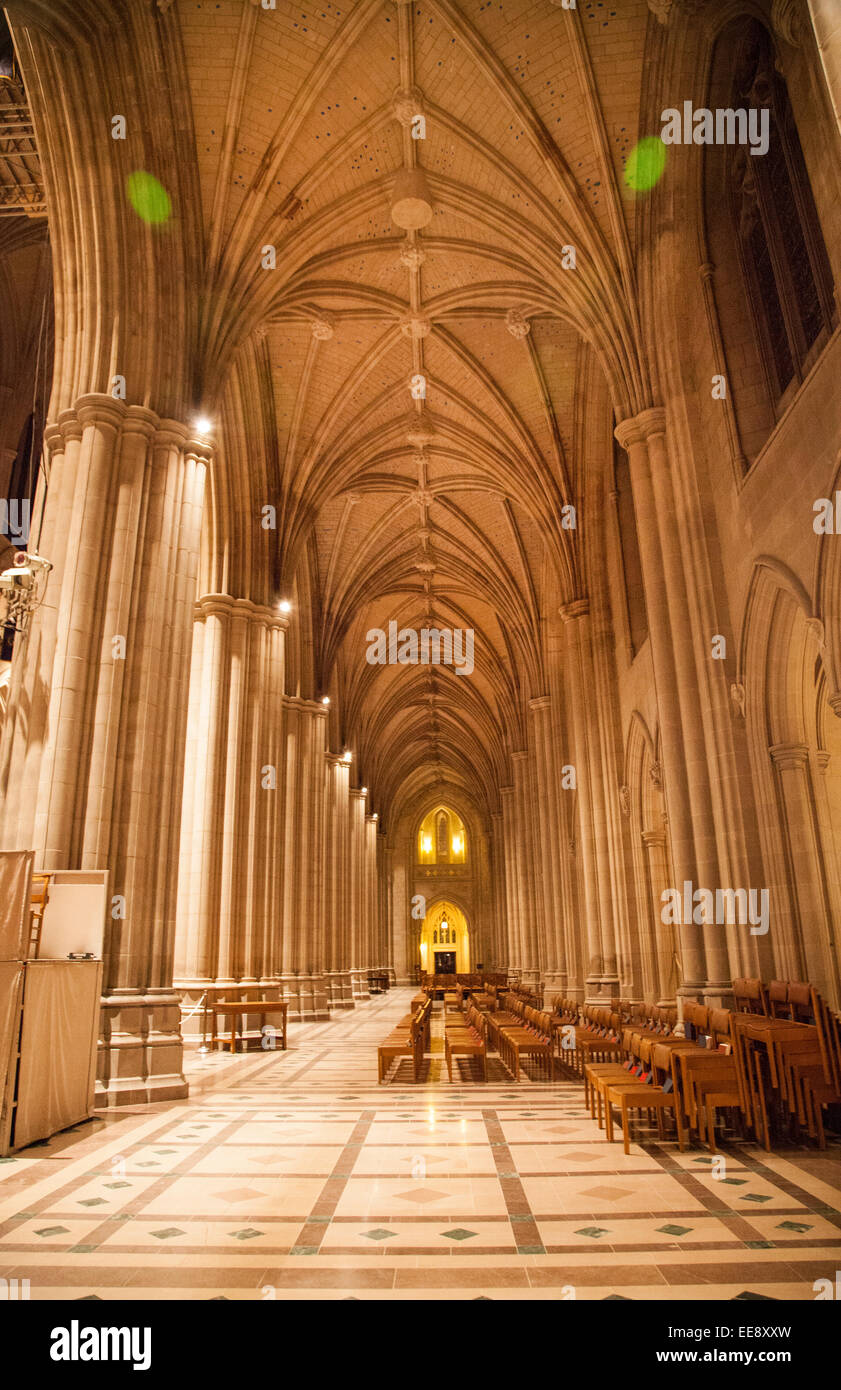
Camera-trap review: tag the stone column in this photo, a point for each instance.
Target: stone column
(661, 967)
(230, 859)
(826, 21)
(498, 953)
(400, 909)
(376, 957)
(359, 963)
(337, 883)
(524, 867)
(385, 876)
(830, 861)
(601, 978)
(93, 776)
(512, 934)
(303, 971)
(671, 651)
(808, 926)
(550, 852)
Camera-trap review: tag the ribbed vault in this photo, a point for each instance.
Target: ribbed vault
(410, 401)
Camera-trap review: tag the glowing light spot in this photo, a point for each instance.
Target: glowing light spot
(646, 163)
(148, 197)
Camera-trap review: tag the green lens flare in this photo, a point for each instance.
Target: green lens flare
(148, 197)
(645, 164)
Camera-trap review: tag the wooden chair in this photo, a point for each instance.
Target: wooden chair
(640, 1095)
(403, 1042)
(749, 997)
(532, 1039)
(466, 1038)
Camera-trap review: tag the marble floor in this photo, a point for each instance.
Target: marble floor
(290, 1175)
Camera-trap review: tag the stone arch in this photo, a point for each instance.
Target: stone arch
(828, 600)
(653, 968)
(796, 769)
(461, 941)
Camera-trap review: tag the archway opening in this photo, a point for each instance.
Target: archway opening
(445, 940)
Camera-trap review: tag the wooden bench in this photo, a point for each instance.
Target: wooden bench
(241, 1008)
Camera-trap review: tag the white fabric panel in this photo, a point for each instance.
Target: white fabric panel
(15, 882)
(11, 979)
(58, 1047)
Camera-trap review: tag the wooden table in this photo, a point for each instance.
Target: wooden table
(239, 1007)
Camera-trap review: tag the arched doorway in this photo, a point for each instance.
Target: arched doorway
(444, 940)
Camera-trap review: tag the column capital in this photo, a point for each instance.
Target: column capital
(305, 706)
(540, 702)
(226, 605)
(789, 755)
(518, 754)
(576, 608)
(835, 704)
(98, 408)
(651, 838)
(638, 429)
(58, 432)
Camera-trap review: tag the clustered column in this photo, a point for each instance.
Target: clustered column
(338, 913)
(93, 777)
(358, 897)
(601, 976)
(232, 822)
(702, 948)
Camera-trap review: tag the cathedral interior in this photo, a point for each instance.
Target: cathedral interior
(420, 611)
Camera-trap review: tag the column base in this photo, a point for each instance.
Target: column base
(554, 987)
(359, 984)
(717, 996)
(595, 992)
(140, 1049)
(338, 990)
(306, 996)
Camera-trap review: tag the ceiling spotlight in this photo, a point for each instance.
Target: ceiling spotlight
(347, 756)
(285, 606)
(325, 699)
(203, 424)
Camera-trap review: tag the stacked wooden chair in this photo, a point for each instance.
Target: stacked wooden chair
(409, 1039)
(464, 1036)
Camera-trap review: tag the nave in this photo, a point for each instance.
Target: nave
(293, 1175)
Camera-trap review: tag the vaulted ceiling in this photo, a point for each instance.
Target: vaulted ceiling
(422, 392)
(427, 384)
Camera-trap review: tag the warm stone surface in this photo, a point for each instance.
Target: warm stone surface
(550, 412)
(296, 1173)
